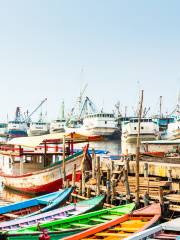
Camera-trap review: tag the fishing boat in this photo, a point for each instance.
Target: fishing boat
(101, 123)
(148, 130)
(70, 210)
(122, 227)
(41, 127)
(165, 231)
(58, 125)
(173, 130)
(34, 206)
(59, 229)
(3, 129)
(49, 179)
(17, 127)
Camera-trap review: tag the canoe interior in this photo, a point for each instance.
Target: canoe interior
(63, 228)
(123, 226)
(122, 230)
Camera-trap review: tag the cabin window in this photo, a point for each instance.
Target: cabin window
(105, 122)
(134, 128)
(142, 127)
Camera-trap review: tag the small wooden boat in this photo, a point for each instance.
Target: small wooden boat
(48, 179)
(34, 206)
(81, 207)
(165, 231)
(59, 229)
(122, 227)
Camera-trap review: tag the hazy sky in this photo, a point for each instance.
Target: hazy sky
(123, 46)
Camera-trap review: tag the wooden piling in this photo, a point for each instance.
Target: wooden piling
(74, 175)
(138, 150)
(126, 181)
(63, 161)
(108, 185)
(98, 177)
(93, 163)
(88, 192)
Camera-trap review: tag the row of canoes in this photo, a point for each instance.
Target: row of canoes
(66, 222)
(83, 220)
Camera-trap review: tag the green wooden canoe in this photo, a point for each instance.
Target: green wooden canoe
(59, 229)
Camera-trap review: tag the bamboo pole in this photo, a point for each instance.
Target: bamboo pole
(21, 168)
(98, 175)
(128, 193)
(138, 149)
(63, 161)
(108, 185)
(93, 163)
(74, 175)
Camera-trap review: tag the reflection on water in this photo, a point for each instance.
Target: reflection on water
(114, 147)
(13, 196)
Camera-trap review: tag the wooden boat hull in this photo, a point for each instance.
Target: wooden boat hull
(81, 207)
(115, 228)
(34, 206)
(55, 227)
(44, 181)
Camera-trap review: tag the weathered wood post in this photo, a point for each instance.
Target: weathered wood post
(138, 150)
(170, 177)
(93, 163)
(21, 167)
(63, 161)
(98, 177)
(126, 181)
(113, 190)
(74, 175)
(146, 175)
(88, 193)
(80, 187)
(108, 185)
(83, 173)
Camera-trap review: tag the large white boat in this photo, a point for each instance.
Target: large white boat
(103, 124)
(38, 128)
(148, 130)
(57, 126)
(173, 130)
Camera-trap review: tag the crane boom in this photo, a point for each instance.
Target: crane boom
(30, 115)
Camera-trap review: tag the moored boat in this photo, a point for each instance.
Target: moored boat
(34, 206)
(17, 127)
(148, 130)
(72, 209)
(122, 227)
(47, 180)
(165, 231)
(59, 229)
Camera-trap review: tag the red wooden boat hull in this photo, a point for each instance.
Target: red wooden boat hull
(47, 180)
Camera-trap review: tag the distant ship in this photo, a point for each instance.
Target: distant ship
(148, 130)
(58, 125)
(101, 123)
(41, 127)
(3, 129)
(17, 127)
(173, 130)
